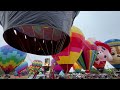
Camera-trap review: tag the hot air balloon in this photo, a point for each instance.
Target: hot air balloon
(10, 58)
(115, 52)
(76, 67)
(88, 56)
(21, 67)
(37, 32)
(70, 54)
(103, 55)
(37, 63)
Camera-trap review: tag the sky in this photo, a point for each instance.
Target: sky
(101, 25)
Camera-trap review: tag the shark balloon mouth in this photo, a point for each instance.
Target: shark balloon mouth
(45, 42)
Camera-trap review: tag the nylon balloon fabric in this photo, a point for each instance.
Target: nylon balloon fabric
(21, 67)
(115, 52)
(37, 32)
(55, 66)
(76, 67)
(70, 54)
(10, 58)
(37, 63)
(88, 56)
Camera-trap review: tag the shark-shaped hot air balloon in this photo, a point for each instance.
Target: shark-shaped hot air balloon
(37, 32)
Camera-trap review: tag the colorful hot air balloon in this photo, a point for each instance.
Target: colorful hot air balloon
(70, 54)
(37, 63)
(115, 52)
(10, 58)
(21, 67)
(37, 32)
(103, 55)
(88, 56)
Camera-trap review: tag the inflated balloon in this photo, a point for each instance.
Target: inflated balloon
(103, 55)
(37, 32)
(88, 56)
(35, 67)
(37, 63)
(10, 58)
(21, 67)
(115, 52)
(70, 54)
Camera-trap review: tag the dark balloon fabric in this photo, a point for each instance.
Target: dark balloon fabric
(37, 32)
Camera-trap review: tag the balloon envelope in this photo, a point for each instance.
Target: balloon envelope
(37, 32)
(37, 63)
(76, 66)
(21, 67)
(70, 54)
(103, 55)
(10, 58)
(88, 56)
(115, 52)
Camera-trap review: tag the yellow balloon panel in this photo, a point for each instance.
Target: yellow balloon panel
(77, 66)
(10, 63)
(90, 58)
(75, 29)
(71, 59)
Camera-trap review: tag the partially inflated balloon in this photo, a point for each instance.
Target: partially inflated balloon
(88, 56)
(37, 32)
(21, 67)
(37, 63)
(10, 58)
(70, 54)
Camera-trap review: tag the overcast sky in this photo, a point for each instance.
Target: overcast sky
(102, 25)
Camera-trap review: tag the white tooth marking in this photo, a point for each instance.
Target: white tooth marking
(15, 32)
